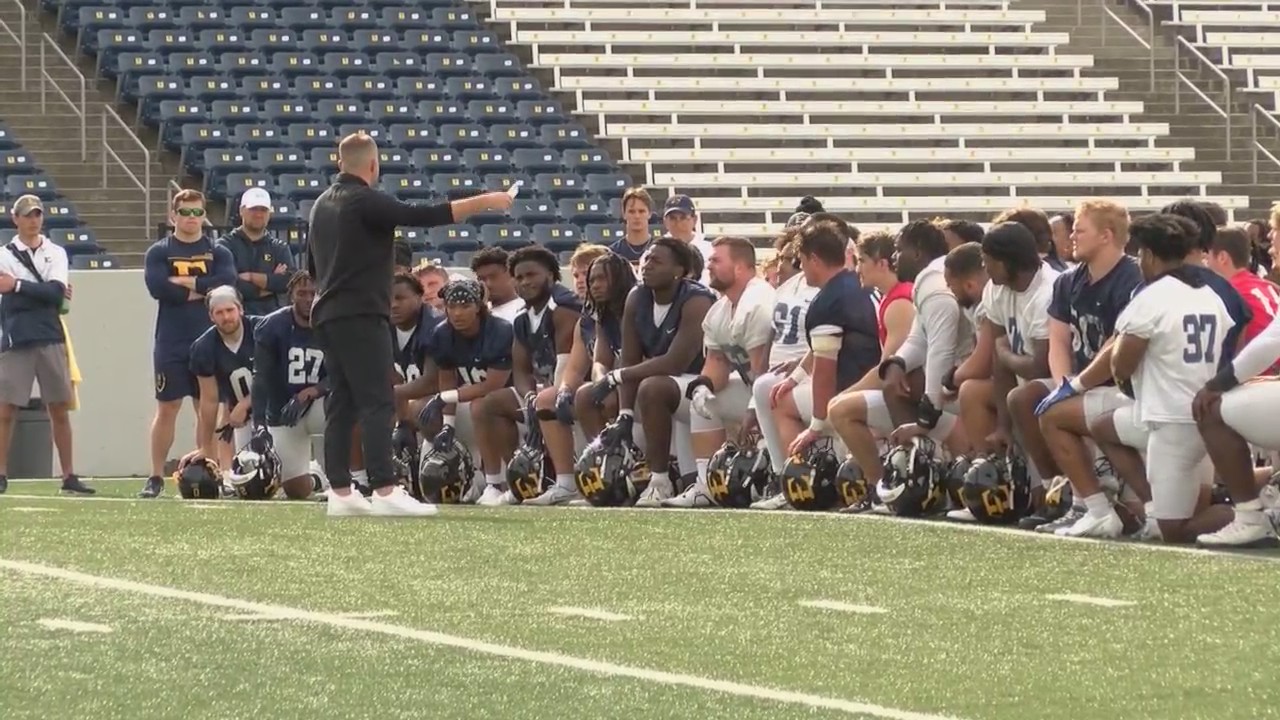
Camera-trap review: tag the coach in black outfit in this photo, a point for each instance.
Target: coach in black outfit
(351, 258)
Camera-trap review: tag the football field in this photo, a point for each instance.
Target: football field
(117, 608)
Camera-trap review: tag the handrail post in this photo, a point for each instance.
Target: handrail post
(43, 75)
(145, 183)
(19, 37)
(82, 110)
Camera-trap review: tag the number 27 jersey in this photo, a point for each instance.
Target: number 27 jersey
(790, 307)
(296, 361)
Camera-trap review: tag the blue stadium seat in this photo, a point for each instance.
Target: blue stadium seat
(408, 186)
(40, 185)
(254, 17)
(507, 237)
(417, 89)
(325, 41)
(211, 88)
(345, 64)
(502, 182)
(337, 112)
(92, 21)
(416, 238)
(412, 136)
(406, 18)
(171, 41)
(453, 18)
(130, 69)
(304, 18)
(464, 135)
(222, 40)
(492, 112)
(609, 185)
(241, 64)
(312, 88)
(370, 88)
(448, 64)
(454, 238)
(455, 186)
(153, 91)
(587, 161)
(7, 141)
(152, 18)
(474, 42)
(188, 65)
(540, 112)
(374, 130)
(76, 241)
(398, 64)
(219, 163)
(280, 160)
(100, 261)
(518, 88)
(565, 136)
(323, 161)
(426, 41)
(436, 160)
(558, 238)
(260, 135)
(260, 88)
(604, 233)
(235, 112)
(354, 18)
(559, 185)
(173, 115)
(585, 211)
(301, 186)
(372, 41)
(487, 160)
(534, 211)
(441, 112)
(392, 112)
(295, 64)
(60, 214)
(514, 137)
(436, 257)
(114, 43)
(471, 87)
(534, 161)
(203, 17)
(270, 40)
(394, 160)
(196, 139)
(309, 135)
(283, 213)
(496, 65)
(238, 183)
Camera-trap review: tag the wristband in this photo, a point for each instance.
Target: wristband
(798, 375)
(700, 381)
(820, 426)
(894, 360)
(1076, 384)
(449, 420)
(625, 413)
(450, 397)
(927, 416)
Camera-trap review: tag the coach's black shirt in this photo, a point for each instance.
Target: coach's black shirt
(351, 248)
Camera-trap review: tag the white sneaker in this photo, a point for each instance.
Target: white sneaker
(654, 494)
(1072, 516)
(508, 498)
(556, 495)
(1241, 535)
(1149, 532)
(693, 497)
(399, 503)
(349, 505)
(961, 515)
(491, 496)
(1108, 526)
(473, 492)
(879, 508)
(773, 502)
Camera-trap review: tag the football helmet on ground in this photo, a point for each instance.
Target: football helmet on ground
(444, 475)
(610, 471)
(809, 479)
(852, 487)
(997, 489)
(745, 479)
(255, 475)
(913, 479)
(198, 480)
(528, 472)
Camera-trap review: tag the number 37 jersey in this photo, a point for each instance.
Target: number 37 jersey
(791, 305)
(293, 360)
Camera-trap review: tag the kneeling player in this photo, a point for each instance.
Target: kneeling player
(543, 334)
(222, 362)
(288, 378)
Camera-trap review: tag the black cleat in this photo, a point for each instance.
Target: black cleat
(1031, 522)
(4, 484)
(153, 489)
(71, 485)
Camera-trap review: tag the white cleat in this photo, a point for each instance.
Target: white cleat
(773, 502)
(693, 497)
(961, 515)
(399, 503)
(1149, 532)
(350, 505)
(508, 498)
(1072, 516)
(654, 494)
(1241, 535)
(492, 496)
(473, 492)
(1108, 526)
(556, 495)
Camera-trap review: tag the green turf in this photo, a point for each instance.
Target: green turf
(969, 632)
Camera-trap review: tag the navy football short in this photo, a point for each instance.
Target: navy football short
(174, 381)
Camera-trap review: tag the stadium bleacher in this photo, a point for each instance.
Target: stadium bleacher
(20, 174)
(1242, 38)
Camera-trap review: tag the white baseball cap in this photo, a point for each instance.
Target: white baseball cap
(255, 198)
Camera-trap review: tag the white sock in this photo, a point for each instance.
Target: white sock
(701, 464)
(660, 479)
(494, 479)
(360, 477)
(565, 482)
(1098, 505)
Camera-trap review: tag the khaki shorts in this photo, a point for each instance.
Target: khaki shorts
(21, 367)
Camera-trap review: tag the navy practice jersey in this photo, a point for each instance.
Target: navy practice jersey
(232, 369)
(286, 361)
(1090, 309)
(844, 308)
(179, 319)
(473, 357)
(627, 251)
(656, 337)
(538, 336)
(410, 349)
(590, 329)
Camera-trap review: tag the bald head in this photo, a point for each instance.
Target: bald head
(358, 155)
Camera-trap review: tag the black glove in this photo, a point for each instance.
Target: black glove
(261, 442)
(617, 431)
(293, 411)
(443, 441)
(601, 389)
(431, 411)
(530, 412)
(403, 438)
(226, 433)
(949, 381)
(564, 406)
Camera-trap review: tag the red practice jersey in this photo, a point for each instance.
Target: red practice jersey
(1262, 298)
(901, 291)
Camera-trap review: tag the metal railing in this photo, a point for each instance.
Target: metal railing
(145, 183)
(81, 110)
(19, 37)
(1257, 111)
(1225, 110)
(1149, 42)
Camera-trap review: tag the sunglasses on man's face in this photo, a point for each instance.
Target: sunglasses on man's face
(191, 212)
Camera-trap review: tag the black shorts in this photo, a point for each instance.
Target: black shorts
(174, 380)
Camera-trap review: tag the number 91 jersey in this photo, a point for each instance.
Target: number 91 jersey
(298, 363)
(791, 305)
(231, 368)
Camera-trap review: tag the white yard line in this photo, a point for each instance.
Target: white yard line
(264, 616)
(73, 625)
(659, 677)
(843, 607)
(165, 499)
(1091, 600)
(24, 508)
(588, 613)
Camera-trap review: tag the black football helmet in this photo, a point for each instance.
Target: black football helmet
(443, 477)
(953, 478)
(997, 490)
(198, 480)
(608, 474)
(852, 487)
(254, 475)
(718, 467)
(744, 480)
(407, 462)
(529, 473)
(913, 479)
(809, 479)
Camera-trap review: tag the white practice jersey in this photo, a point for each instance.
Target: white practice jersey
(1023, 315)
(1185, 329)
(735, 331)
(508, 310)
(791, 304)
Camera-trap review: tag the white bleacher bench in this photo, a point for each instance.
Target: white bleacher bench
(1271, 84)
(715, 230)
(1203, 19)
(1243, 39)
(606, 83)
(778, 209)
(1013, 180)
(767, 16)
(817, 38)
(765, 61)
(1251, 64)
(941, 5)
(677, 108)
(889, 131)
(908, 155)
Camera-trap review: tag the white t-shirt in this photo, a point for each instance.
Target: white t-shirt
(1185, 328)
(790, 305)
(1023, 315)
(508, 310)
(736, 330)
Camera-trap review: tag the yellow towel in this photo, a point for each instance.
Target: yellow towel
(74, 369)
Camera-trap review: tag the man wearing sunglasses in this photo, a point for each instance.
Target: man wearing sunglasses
(179, 270)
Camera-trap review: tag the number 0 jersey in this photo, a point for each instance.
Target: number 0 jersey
(790, 305)
(286, 361)
(410, 346)
(231, 367)
(473, 357)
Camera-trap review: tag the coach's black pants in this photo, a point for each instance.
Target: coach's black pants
(357, 357)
